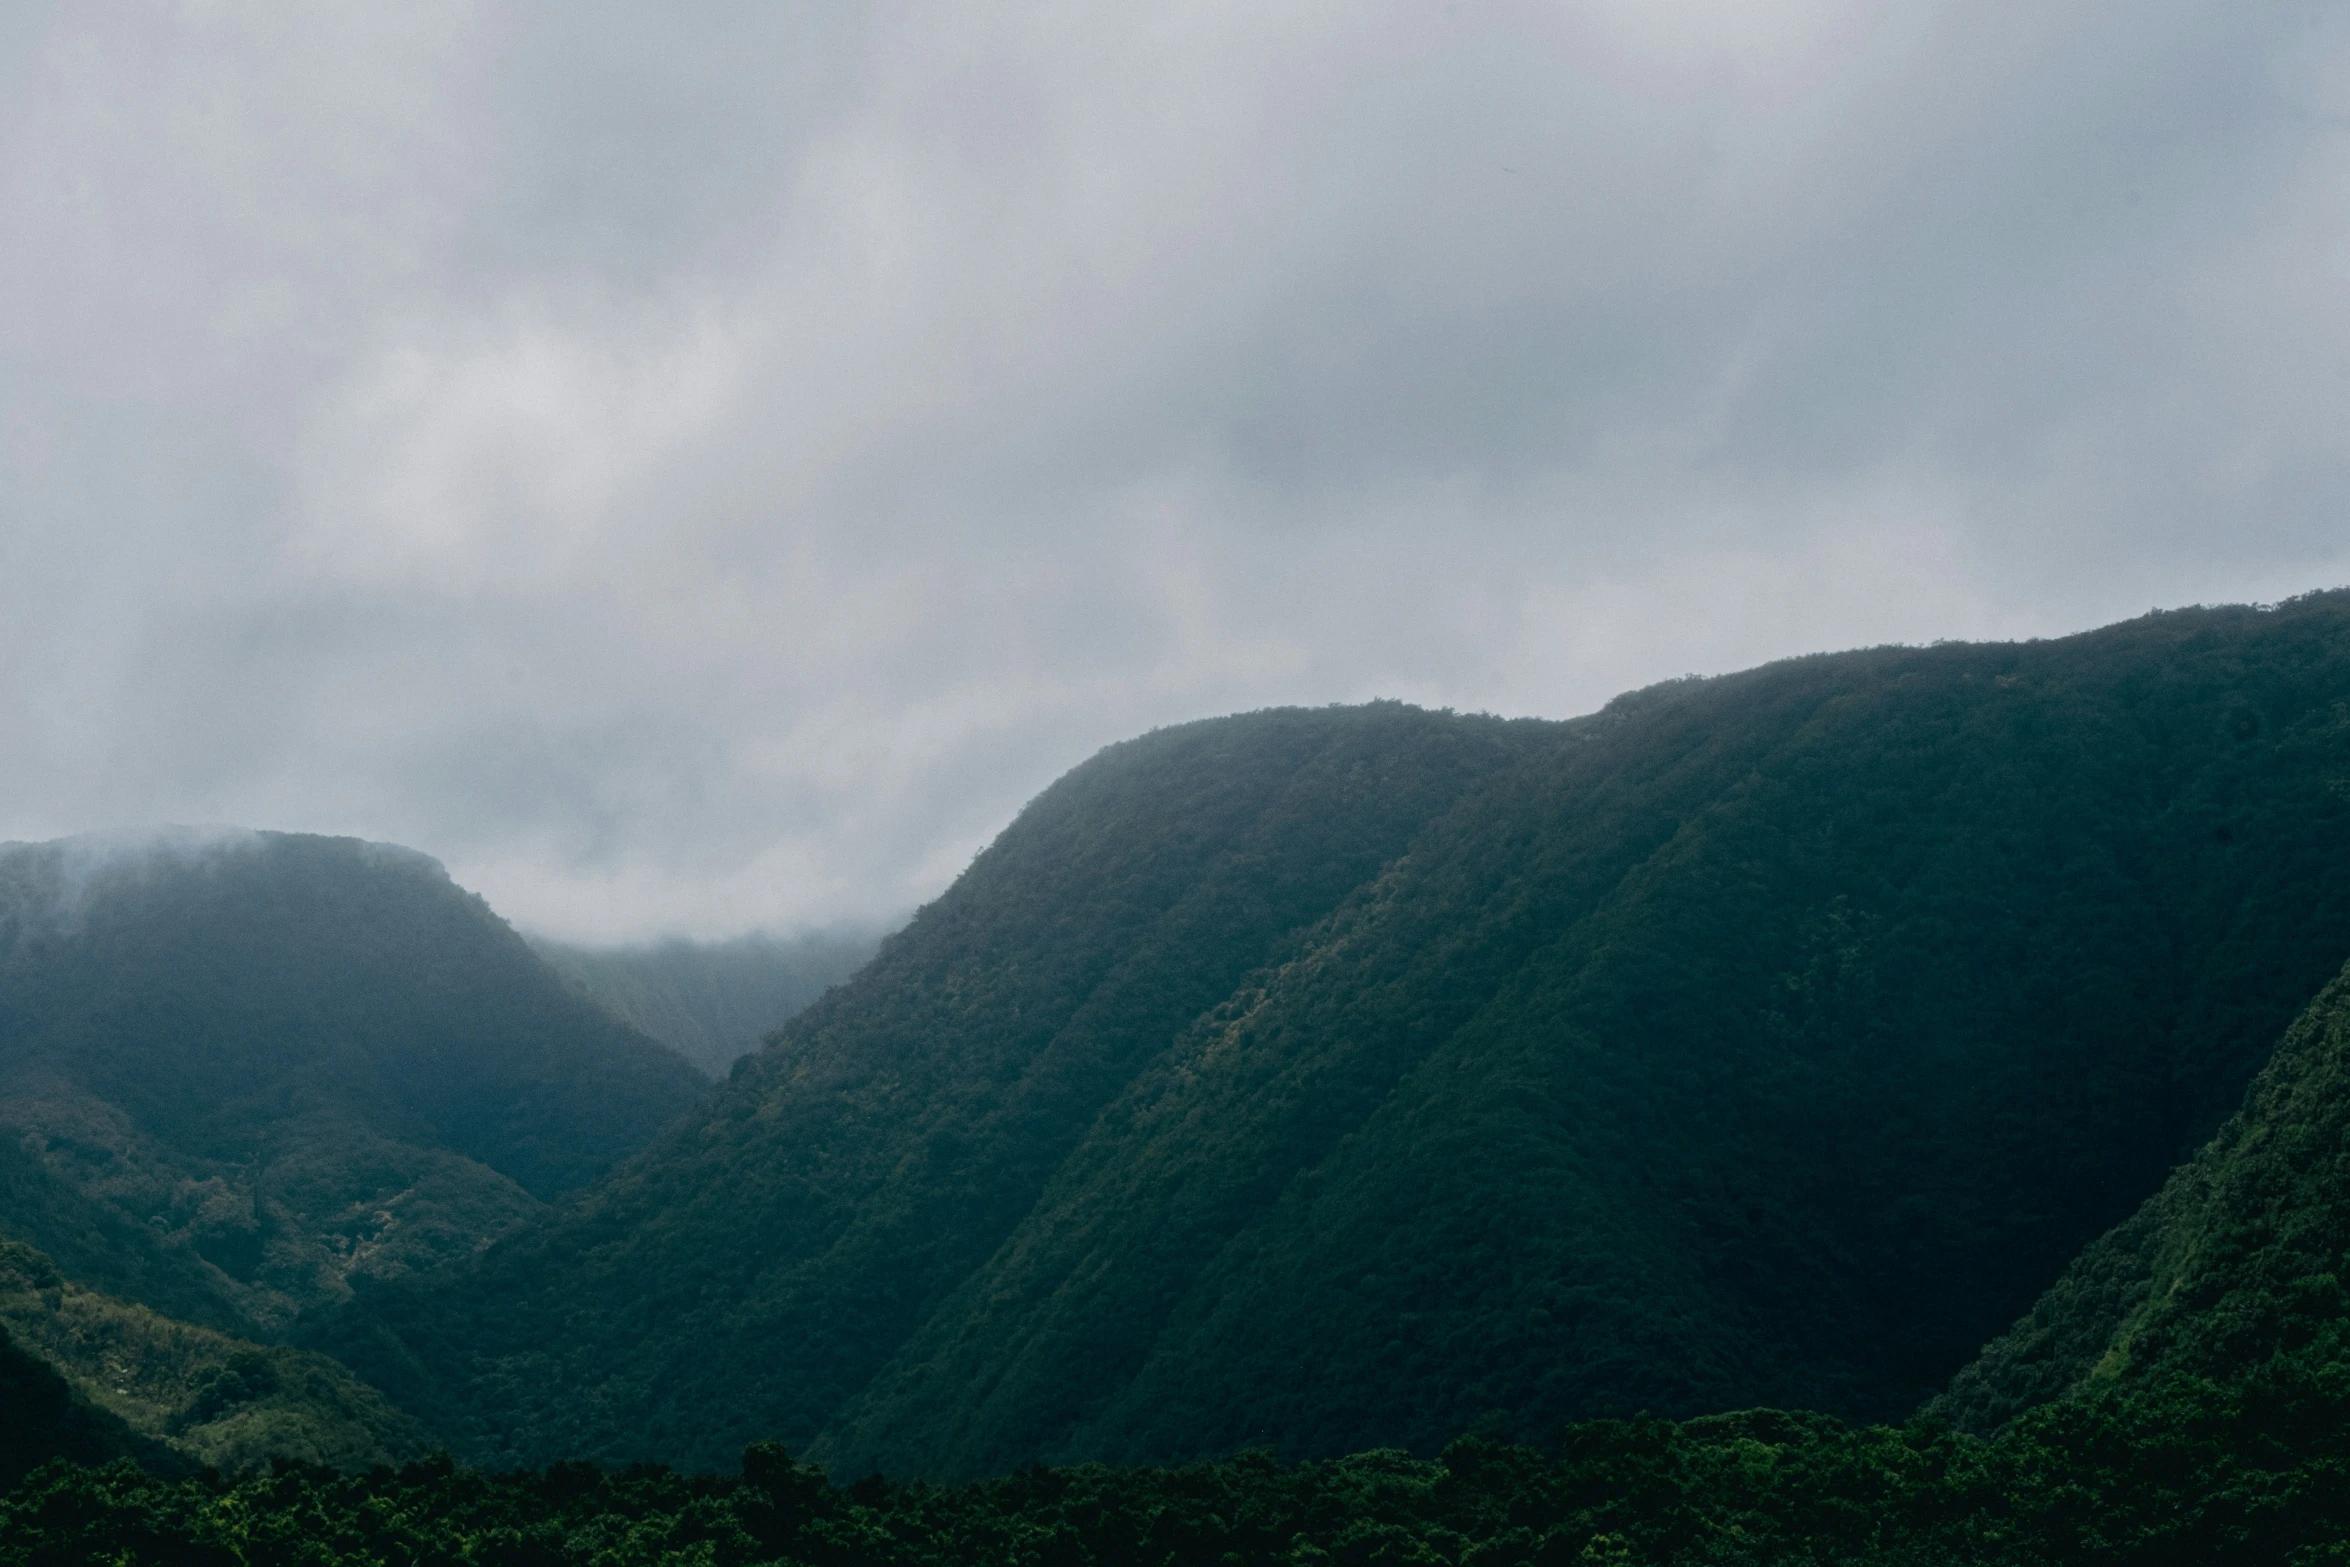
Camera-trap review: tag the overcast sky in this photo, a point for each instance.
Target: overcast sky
(698, 468)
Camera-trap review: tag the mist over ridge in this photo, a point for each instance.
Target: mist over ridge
(242, 1072)
(1490, 784)
(704, 475)
(714, 1001)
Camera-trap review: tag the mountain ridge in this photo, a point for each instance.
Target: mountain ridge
(239, 1069)
(1584, 1084)
(1060, 994)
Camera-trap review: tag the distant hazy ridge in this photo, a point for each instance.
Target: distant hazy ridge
(712, 1001)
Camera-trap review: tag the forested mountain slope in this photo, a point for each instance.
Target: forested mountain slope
(49, 1419)
(1344, 1078)
(749, 1276)
(237, 1071)
(711, 1001)
(215, 1401)
(2232, 1273)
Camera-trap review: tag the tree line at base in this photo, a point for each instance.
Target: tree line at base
(2190, 1471)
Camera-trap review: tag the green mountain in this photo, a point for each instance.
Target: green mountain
(712, 1001)
(1772, 1116)
(214, 1401)
(241, 1073)
(873, 1158)
(2232, 1272)
(1331, 1079)
(50, 1419)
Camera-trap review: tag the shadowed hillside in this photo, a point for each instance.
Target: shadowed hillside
(866, 1164)
(2230, 1274)
(1332, 1079)
(48, 1419)
(238, 1072)
(209, 1399)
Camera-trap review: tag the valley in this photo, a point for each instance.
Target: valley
(711, 1002)
(1891, 1035)
(1322, 1080)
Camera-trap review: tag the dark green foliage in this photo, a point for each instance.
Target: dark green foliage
(237, 1073)
(94, 1239)
(2174, 1479)
(712, 1001)
(43, 1417)
(782, 1247)
(2182, 1396)
(2231, 1275)
(1331, 1079)
(212, 1399)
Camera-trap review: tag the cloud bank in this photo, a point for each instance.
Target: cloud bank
(702, 471)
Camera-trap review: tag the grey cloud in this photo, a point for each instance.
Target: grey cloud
(701, 471)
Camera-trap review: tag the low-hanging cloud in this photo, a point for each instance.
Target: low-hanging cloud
(700, 470)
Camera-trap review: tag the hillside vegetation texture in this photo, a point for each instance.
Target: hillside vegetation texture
(221, 1403)
(2148, 1482)
(2220, 1438)
(1330, 1080)
(51, 1422)
(2231, 1277)
(711, 1001)
(241, 1073)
